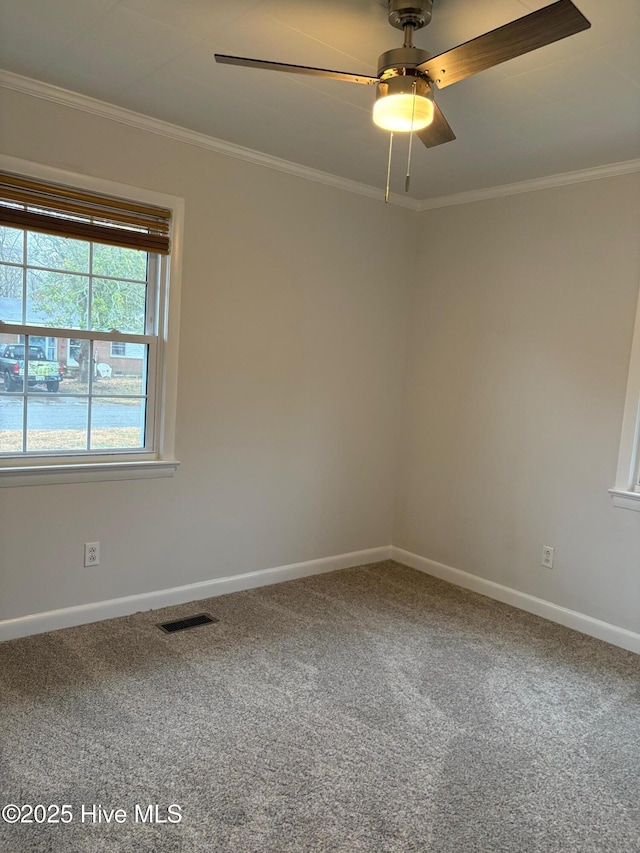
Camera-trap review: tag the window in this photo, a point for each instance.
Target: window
(87, 365)
(626, 492)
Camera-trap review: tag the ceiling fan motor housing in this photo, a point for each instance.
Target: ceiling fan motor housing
(400, 58)
(414, 13)
(405, 83)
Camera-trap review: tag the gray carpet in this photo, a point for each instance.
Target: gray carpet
(372, 709)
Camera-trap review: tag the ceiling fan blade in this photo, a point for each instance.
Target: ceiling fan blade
(437, 132)
(295, 69)
(538, 29)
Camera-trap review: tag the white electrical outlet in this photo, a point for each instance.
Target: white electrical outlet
(547, 556)
(92, 553)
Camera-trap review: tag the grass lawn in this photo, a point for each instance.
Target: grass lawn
(70, 439)
(119, 386)
(112, 390)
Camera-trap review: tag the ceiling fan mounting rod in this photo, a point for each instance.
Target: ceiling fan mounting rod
(413, 13)
(408, 35)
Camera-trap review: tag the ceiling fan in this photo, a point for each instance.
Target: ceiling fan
(407, 75)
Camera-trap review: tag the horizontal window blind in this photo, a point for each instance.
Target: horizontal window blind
(66, 212)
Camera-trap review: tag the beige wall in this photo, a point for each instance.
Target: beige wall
(517, 365)
(293, 322)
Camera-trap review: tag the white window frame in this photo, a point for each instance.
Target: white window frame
(626, 492)
(161, 462)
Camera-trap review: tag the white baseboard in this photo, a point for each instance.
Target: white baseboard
(621, 637)
(68, 617)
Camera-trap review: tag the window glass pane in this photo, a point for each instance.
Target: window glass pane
(119, 368)
(116, 262)
(58, 253)
(72, 360)
(75, 356)
(44, 371)
(47, 344)
(11, 416)
(56, 422)
(118, 305)
(11, 244)
(11, 353)
(117, 422)
(10, 294)
(57, 299)
(47, 364)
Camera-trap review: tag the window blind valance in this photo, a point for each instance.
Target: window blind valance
(66, 212)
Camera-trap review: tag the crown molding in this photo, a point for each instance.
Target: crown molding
(608, 171)
(47, 92)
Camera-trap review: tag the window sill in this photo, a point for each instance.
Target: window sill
(92, 472)
(625, 500)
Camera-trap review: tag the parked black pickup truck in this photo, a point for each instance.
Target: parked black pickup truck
(41, 371)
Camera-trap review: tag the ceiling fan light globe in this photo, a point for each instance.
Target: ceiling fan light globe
(403, 113)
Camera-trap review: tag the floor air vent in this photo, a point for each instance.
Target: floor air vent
(183, 624)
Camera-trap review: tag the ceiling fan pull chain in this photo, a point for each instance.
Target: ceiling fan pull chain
(386, 192)
(407, 179)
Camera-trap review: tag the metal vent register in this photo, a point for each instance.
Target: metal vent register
(190, 622)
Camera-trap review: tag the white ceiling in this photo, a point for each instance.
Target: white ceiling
(572, 105)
